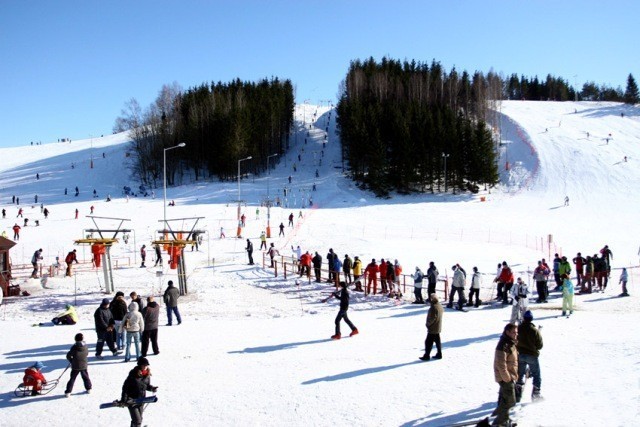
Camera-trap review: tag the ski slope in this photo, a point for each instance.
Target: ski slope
(253, 349)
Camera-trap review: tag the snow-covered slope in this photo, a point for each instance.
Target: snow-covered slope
(253, 348)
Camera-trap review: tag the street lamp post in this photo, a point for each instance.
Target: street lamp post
(239, 234)
(269, 198)
(164, 179)
(445, 156)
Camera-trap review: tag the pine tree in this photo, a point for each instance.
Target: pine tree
(631, 95)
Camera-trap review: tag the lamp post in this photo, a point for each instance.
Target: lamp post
(239, 234)
(445, 156)
(164, 179)
(269, 198)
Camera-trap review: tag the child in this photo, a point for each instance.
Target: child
(567, 295)
(623, 281)
(34, 378)
(77, 356)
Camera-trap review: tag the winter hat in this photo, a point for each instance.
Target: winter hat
(105, 301)
(528, 315)
(79, 337)
(38, 365)
(143, 361)
(67, 306)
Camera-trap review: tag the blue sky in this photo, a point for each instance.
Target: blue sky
(68, 67)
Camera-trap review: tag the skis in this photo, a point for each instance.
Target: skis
(130, 402)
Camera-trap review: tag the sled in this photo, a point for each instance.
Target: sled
(27, 390)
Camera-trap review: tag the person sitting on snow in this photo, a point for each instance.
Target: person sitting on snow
(68, 317)
(34, 378)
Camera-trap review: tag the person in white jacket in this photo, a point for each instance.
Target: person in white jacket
(133, 325)
(476, 281)
(457, 286)
(520, 293)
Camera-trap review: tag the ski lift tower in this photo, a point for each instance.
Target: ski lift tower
(174, 242)
(101, 247)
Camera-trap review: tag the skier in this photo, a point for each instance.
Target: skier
(4, 213)
(69, 260)
(20, 214)
(457, 285)
(434, 327)
(529, 346)
(242, 220)
(135, 387)
(608, 256)
(16, 232)
(505, 282)
(505, 369)
(417, 286)
(291, 219)
(143, 255)
(222, 236)
(67, 317)
(357, 273)
(76, 213)
(567, 295)
(35, 259)
(46, 213)
(305, 264)
(520, 295)
(263, 241)
(623, 281)
(564, 268)
(432, 278)
(566, 200)
(371, 273)
(556, 271)
(91, 209)
(476, 281)
(579, 262)
(34, 378)
(281, 226)
(158, 255)
(77, 357)
(343, 296)
(249, 250)
(383, 275)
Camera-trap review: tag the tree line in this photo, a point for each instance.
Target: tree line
(554, 88)
(220, 124)
(402, 123)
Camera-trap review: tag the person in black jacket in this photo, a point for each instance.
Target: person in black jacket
(118, 308)
(343, 296)
(317, 266)
(77, 357)
(104, 328)
(151, 315)
(529, 346)
(135, 387)
(249, 250)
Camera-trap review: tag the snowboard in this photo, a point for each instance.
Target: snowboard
(141, 401)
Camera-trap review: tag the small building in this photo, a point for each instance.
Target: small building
(5, 264)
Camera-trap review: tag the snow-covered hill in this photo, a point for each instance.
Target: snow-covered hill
(254, 350)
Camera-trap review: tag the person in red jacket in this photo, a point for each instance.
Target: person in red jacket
(505, 282)
(305, 264)
(371, 273)
(383, 275)
(34, 378)
(69, 260)
(16, 232)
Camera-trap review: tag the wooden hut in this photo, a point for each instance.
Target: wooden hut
(5, 264)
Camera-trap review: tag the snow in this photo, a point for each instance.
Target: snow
(254, 349)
